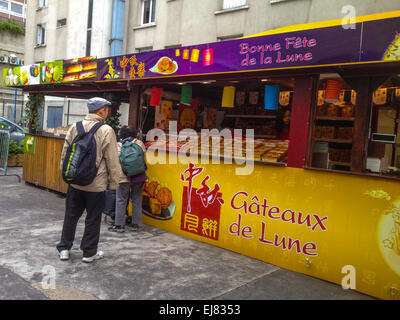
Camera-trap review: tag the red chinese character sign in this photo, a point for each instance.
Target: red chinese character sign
(201, 207)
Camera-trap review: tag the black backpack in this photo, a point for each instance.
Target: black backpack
(79, 166)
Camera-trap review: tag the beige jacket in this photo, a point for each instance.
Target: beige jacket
(107, 155)
(123, 178)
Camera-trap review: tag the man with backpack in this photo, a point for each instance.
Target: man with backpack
(133, 176)
(89, 162)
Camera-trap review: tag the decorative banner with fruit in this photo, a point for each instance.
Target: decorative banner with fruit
(51, 72)
(12, 77)
(30, 75)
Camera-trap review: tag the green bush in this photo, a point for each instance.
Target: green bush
(11, 27)
(14, 148)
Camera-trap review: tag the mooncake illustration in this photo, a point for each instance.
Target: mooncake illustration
(393, 51)
(150, 188)
(164, 196)
(165, 66)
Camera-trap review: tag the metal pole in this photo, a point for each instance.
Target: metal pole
(69, 103)
(15, 105)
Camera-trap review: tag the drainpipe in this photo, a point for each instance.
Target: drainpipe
(117, 27)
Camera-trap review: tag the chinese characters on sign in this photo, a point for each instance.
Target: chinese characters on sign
(201, 208)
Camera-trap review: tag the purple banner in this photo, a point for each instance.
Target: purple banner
(369, 41)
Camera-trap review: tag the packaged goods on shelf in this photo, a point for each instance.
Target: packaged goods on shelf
(347, 111)
(332, 110)
(328, 132)
(345, 133)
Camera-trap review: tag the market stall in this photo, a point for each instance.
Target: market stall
(322, 198)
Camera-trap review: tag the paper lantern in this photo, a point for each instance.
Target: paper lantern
(253, 97)
(380, 96)
(186, 95)
(228, 97)
(208, 57)
(332, 91)
(271, 97)
(240, 98)
(156, 94)
(284, 98)
(185, 54)
(353, 97)
(195, 55)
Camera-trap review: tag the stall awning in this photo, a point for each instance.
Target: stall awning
(371, 48)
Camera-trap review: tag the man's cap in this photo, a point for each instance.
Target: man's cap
(97, 103)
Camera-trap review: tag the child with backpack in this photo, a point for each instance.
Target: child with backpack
(133, 176)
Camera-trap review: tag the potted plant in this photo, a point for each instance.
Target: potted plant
(15, 155)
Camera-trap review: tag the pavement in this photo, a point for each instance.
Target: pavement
(152, 264)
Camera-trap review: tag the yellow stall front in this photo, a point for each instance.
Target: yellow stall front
(338, 227)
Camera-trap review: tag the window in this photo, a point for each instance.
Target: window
(230, 4)
(173, 46)
(15, 8)
(61, 23)
(3, 6)
(42, 3)
(139, 50)
(148, 11)
(230, 37)
(89, 29)
(41, 34)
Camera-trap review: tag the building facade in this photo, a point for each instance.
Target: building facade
(12, 46)
(71, 29)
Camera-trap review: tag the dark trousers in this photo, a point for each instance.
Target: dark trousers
(76, 202)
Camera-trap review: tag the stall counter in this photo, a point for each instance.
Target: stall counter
(339, 228)
(42, 162)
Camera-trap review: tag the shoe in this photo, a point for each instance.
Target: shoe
(64, 255)
(108, 220)
(115, 228)
(97, 256)
(135, 227)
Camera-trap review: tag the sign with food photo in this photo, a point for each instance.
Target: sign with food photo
(51, 72)
(79, 69)
(30, 75)
(165, 66)
(12, 77)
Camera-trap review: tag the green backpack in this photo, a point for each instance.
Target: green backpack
(131, 158)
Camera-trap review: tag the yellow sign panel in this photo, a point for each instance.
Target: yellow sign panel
(311, 222)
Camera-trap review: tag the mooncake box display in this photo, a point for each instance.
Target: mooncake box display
(318, 132)
(345, 133)
(273, 156)
(332, 110)
(347, 111)
(328, 132)
(321, 111)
